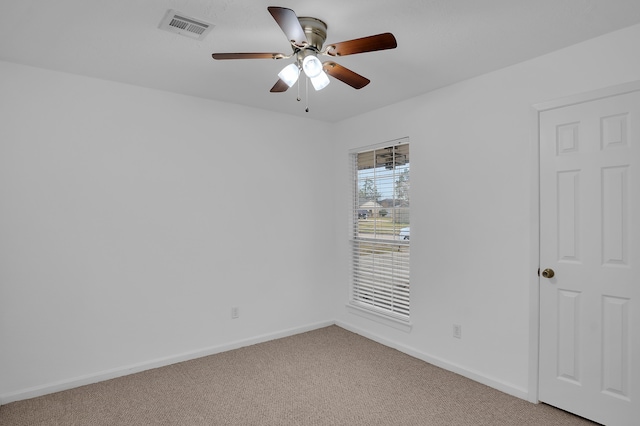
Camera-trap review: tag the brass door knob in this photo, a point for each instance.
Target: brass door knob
(548, 273)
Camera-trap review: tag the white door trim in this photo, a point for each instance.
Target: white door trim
(534, 255)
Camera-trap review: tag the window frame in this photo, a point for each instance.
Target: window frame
(396, 267)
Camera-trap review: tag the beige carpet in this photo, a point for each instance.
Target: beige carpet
(328, 376)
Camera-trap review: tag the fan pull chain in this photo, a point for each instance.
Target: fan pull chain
(298, 98)
(307, 94)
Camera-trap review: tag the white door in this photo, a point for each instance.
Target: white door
(590, 239)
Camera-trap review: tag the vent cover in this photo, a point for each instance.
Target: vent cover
(179, 23)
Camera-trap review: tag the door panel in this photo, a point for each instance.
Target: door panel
(590, 237)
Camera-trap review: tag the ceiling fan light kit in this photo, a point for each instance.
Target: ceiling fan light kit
(307, 36)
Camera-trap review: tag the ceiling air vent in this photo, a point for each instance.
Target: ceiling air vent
(179, 23)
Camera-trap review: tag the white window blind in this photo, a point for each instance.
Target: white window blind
(381, 231)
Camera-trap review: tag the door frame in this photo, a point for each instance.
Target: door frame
(534, 199)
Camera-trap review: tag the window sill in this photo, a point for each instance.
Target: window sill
(372, 315)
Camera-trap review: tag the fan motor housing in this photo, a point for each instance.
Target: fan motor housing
(315, 30)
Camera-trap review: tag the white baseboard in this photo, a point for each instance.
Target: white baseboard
(438, 362)
(148, 365)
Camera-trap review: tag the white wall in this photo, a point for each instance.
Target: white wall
(132, 220)
(472, 157)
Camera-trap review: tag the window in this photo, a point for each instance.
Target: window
(381, 232)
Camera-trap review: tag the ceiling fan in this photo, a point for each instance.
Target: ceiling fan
(307, 36)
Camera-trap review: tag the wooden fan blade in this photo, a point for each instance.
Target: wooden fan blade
(288, 21)
(361, 45)
(279, 87)
(345, 75)
(248, 55)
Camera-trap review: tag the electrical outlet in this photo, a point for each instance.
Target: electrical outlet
(457, 331)
(235, 312)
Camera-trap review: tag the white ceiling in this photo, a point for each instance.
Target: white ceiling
(440, 42)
